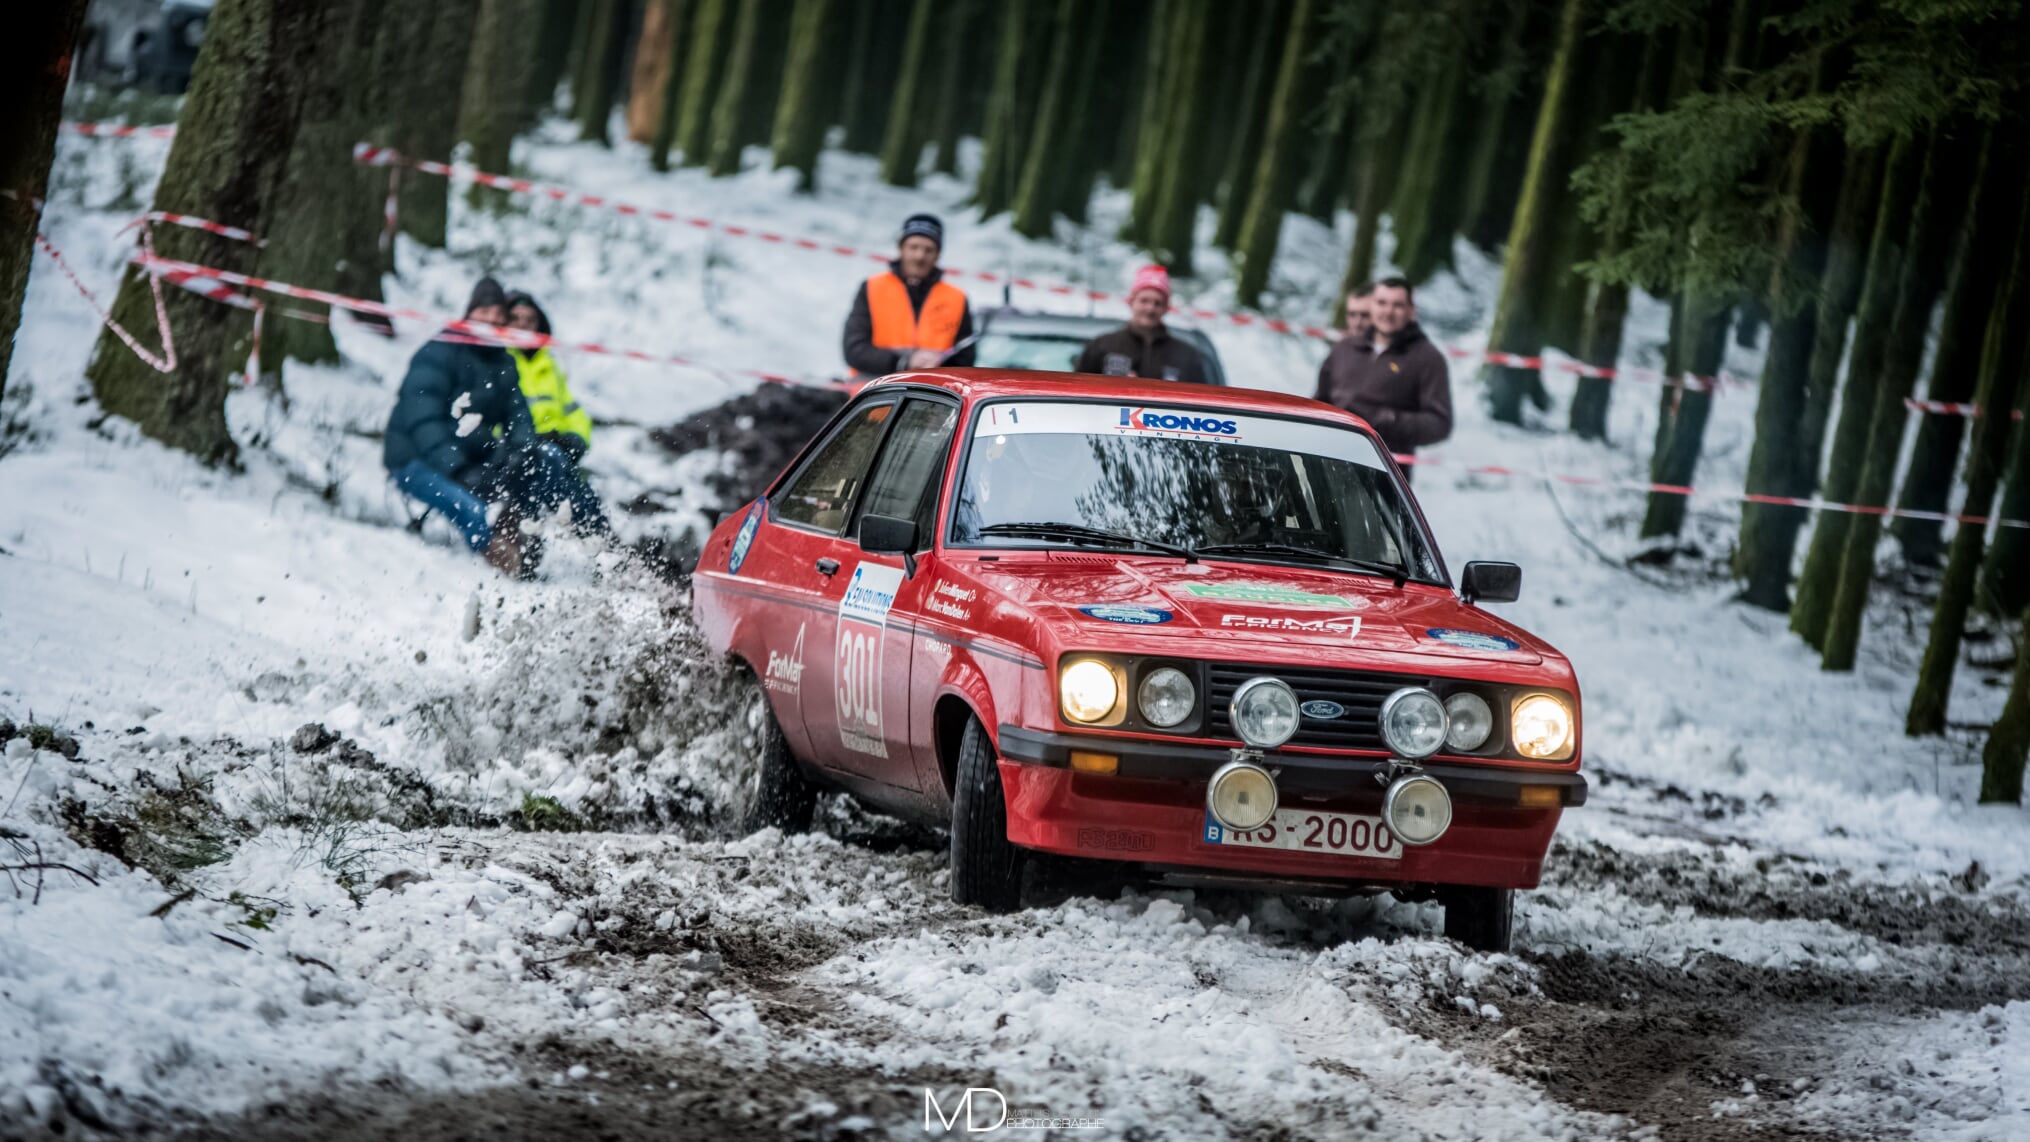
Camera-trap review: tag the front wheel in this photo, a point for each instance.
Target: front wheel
(986, 868)
(1481, 918)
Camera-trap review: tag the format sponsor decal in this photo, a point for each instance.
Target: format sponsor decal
(1473, 640)
(1348, 625)
(785, 674)
(951, 602)
(1271, 595)
(1322, 710)
(744, 540)
(1130, 613)
(1185, 423)
(863, 635)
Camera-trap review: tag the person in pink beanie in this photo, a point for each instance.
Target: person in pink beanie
(1144, 346)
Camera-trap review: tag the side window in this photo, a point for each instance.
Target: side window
(821, 495)
(904, 483)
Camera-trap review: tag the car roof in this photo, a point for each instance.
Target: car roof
(988, 384)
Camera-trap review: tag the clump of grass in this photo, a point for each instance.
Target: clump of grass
(542, 814)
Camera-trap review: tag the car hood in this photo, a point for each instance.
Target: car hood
(1102, 595)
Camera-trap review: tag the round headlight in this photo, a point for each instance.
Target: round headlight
(1166, 697)
(1088, 691)
(1242, 796)
(1264, 712)
(1413, 722)
(1418, 809)
(1469, 722)
(1542, 727)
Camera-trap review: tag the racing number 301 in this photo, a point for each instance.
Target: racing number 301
(858, 693)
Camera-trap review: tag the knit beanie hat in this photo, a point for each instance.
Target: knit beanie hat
(923, 226)
(1151, 277)
(486, 292)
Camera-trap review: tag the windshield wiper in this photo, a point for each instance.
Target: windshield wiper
(1396, 571)
(1079, 533)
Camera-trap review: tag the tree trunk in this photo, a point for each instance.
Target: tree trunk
(503, 48)
(234, 137)
(710, 40)
(33, 74)
(323, 198)
(607, 39)
(2000, 383)
(553, 59)
(425, 108)
(1173, 223)
(648, 87)
(1169, 21)
(1033, 201)
(1250, 123)
(866, 106)
(1008, 115)
(1088, 126)
(902, 144)
(1428, 200)
(1373, 186)
(1942, 197)
(960, 27)
(1769, 531)
(1527, 267)
(2005, 576)
(1698, 341)
(1502, 135)
(1819, 582)
(1262, 228)
(2008, 748)
(680, 17)
(733, 96)
(799, 122)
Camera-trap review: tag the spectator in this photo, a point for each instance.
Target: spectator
(1144, 347)
(560, 421)
(460, 438)
(1394, 378)
(907, 316)
(1359, 312)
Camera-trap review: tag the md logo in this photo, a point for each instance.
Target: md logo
(964, 1110)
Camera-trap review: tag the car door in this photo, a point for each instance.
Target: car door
(904, 485)
(812, 509)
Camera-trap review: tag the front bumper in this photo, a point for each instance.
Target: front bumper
(1152, 812)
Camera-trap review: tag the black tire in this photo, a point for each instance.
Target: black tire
(1481, 918)
(986, 868)
(773, 791)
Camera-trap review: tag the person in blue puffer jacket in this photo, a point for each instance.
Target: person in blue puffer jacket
(460, 438)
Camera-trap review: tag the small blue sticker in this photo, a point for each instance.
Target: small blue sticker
(1214, 833)
(1322, 710)
(1127, 613)
(743, 541)
(1474, 640)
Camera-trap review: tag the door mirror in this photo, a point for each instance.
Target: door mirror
(890, 535)
(1491, 582)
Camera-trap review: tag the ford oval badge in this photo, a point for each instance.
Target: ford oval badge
(1323, 711)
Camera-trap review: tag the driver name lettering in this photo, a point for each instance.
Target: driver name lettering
(857, 673)
(945, 600)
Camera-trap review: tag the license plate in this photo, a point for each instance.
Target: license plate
(1313, 831)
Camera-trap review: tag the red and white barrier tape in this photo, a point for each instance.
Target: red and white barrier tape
(1948, 408)
(190, 223)
(1812, 503)
(166, 362)
(119, 131)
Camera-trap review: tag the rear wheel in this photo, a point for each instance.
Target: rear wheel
(986, 868)
(1481, 918)
(769, 791)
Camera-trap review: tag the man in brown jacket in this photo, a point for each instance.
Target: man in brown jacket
(1394, 379)
(1144, 347)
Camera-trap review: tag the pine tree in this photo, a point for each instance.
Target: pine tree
(1170, 24)
(2008, 748)
(799, 120)
(680, 15)
(872, 71)
(1816, 587)
(1942, 198)
(1172, 225)
(496, 78)
(34, 66)
(553, 58)
(733, 94)
(711, 35)
(650, 74)
(2005, 576)
(1262, 227)
(599, 69)
(2000, 382)
(948, 112)
(1503, 123)
(902, 144)
(1697, 342)
(1257, 83)
(425, 107)
(1009, 109)
(234, 137)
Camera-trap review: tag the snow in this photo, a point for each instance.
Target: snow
(184, 622)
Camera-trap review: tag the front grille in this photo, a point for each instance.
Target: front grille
(1360, 692)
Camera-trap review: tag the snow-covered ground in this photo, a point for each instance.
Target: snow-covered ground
(492, 891)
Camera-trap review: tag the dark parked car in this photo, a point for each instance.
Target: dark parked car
(1013, 339)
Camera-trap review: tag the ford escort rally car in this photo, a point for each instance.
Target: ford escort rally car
(1203, 632)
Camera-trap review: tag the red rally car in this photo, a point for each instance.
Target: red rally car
(1203, 631)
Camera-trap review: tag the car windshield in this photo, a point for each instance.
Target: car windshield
(1086, 474)
(1033, 351)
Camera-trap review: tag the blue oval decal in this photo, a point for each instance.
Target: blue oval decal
(1126, 613)
(743, 541)
(1473, 640)
(1322, 710)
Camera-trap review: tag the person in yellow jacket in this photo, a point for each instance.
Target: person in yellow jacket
(560, 419)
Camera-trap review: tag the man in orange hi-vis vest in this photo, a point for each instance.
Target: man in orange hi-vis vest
(907, 316)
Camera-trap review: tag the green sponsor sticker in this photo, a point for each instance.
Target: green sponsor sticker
(1269, 595)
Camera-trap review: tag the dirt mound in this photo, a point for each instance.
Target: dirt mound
(760, 433)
